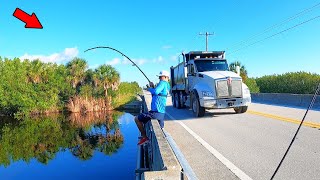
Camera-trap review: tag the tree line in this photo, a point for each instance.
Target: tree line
(35, 87)
(291, 82)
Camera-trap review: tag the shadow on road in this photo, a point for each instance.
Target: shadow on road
(220, 113)
(186, 114)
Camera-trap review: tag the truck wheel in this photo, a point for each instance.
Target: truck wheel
(181, 100)
(244, 109)
(197, 110)
(177, 100)
(241, 109)
(173, 100)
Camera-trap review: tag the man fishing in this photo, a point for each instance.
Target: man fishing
(158, 105)
(159, 98)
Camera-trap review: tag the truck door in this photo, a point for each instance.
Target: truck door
(191, 76)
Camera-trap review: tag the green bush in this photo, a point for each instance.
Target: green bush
(126, 93)
(292, 82)
(252, 85)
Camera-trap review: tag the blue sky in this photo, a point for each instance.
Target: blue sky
(153, 33)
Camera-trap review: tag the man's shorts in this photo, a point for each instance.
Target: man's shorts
(145, 117)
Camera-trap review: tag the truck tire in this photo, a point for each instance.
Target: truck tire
(173, 100)
(197, 110)
(181, 100)
(177, 100)
(241, 109)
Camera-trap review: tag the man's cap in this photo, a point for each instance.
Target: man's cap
(164, 73)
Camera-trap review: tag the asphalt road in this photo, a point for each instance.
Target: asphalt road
(225, 145)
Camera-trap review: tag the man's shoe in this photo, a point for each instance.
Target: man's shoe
(143, 141)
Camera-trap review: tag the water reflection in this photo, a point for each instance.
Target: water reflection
(41, 138)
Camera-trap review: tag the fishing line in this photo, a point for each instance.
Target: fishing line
(294, 137)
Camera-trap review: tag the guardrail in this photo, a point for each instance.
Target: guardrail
(298, 100)
(156, 159)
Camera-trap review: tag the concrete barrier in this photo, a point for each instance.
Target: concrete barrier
(297, 100)
(163, 163)
(157, 160)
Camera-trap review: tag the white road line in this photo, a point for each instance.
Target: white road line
(240, 174)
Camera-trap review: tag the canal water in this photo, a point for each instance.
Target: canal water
(77, 146)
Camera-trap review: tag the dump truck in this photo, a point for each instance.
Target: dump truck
(203, 81)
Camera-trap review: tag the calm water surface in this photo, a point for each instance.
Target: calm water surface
(75, 147)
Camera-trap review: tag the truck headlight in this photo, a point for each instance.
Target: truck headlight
(207, 94)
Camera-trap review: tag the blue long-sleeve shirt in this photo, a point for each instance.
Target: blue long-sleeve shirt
(159, 96)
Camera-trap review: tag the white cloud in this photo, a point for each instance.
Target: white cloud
(114, 61)
(125, 61)
(166, 47)
(158, 60)
(140, 61)
(176, 57)
(71, 52)
(94, 66)
(66, 55)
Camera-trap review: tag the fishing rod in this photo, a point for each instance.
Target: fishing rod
(107, 47)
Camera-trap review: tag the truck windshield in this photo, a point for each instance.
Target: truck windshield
(211, 65)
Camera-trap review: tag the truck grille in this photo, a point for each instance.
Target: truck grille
(225, 90)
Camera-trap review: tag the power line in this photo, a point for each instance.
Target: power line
(277, 25)
(276, 34)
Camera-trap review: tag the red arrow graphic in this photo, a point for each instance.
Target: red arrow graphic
(31, 21)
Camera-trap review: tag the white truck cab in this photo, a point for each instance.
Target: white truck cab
(203, 81)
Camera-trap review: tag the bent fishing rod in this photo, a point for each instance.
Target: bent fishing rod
(107, 47)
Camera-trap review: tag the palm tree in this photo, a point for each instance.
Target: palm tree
(108, 77)
(89, 77)
(95, 79)
(243, 70)
(76, 68)
(34, 70)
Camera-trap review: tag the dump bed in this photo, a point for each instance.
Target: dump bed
(178, 74)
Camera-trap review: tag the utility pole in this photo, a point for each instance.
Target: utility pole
(207, 37)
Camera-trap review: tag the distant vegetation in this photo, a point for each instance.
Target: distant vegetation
(291, 82)
(34, 87)
(252, 85)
